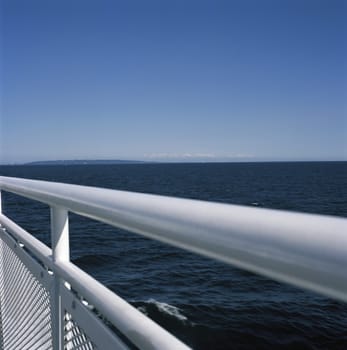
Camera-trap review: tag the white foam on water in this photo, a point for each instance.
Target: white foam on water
(167, 309)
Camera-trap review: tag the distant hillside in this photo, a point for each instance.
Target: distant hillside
(84, 162)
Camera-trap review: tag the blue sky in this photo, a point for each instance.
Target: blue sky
(173, 80)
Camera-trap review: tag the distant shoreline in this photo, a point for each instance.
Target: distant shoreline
(84, 162)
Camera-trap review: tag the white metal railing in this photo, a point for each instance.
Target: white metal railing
(308, 251)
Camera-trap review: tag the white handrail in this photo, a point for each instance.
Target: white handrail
(303, 249)
(308, 251)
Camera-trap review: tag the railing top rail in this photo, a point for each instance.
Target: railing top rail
(306, 250)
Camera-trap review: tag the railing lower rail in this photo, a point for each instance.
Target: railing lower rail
(308, 251)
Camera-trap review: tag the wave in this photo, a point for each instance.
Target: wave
(169, 310)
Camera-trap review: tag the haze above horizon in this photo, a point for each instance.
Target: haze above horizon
(173, 81)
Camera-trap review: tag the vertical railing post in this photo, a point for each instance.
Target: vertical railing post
(1, 284)
(60, 252)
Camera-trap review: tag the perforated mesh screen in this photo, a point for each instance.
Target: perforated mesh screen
(74, 336)
(24, 306)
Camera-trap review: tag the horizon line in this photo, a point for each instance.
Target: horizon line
(153, 161)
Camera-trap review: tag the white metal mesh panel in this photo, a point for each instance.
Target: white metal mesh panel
(74, 336)
(24, 306)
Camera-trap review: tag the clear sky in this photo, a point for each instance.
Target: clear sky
(173, 80)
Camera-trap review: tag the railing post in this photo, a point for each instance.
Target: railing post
(1, 284)
(61, 252)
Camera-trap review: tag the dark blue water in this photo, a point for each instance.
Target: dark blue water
(205, 303)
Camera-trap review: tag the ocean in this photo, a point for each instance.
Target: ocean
(207, 304)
